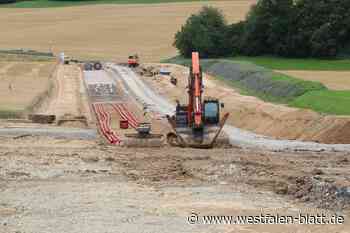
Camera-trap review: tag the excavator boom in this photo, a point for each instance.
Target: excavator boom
(196, 90)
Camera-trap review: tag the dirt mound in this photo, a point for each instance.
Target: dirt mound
(69, 100)
(325, 194)
(42, 119)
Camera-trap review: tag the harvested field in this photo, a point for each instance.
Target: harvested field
(113, 31)
(334, 80)
(22, 83)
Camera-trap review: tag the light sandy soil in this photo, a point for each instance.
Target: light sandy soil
(106, 31)
(66, 99)
(22, 82)
(69, 98)
(334, 80)
(74, 186)
(256, 115)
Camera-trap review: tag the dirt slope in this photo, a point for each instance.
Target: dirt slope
(69, 98)
(258, 116)
(112, 31)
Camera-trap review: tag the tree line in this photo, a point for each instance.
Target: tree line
(289, 28)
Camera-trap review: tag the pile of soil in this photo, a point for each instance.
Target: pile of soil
(325, 195)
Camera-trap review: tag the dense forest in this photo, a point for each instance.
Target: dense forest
(289, 28)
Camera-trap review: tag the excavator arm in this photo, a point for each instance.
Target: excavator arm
(196, 91)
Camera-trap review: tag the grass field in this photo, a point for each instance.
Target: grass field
(110, 32)
(278, 63)
(53, 3)
(22, 83)
(326, 101)
(12, 57)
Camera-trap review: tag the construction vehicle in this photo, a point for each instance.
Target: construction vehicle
(196, 124)
(93, 65)
(144, 129)
(133, 61)
(143, 137)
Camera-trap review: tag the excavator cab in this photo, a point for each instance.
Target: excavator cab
(211, 113)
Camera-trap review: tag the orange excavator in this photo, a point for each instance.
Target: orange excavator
(196, 124)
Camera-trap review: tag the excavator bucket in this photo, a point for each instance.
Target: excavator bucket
(211, 136)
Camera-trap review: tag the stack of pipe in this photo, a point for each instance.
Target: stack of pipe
(104, 120)
(126, 114)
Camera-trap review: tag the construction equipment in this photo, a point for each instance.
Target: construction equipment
(92, 65)
(88, 67)
(98, 66)
(133, 61)
(143, 137)
(196, 124)
(143, 129)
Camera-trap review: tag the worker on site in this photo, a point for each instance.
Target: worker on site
(177, 105)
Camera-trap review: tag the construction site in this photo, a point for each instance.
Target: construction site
(122, 143)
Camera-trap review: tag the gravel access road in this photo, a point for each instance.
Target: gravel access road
(55, 132)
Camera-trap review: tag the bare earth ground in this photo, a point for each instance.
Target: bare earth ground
(335, 80)
(69, 98)
(81, 186)
(256, 115)
(22, 82)
(106, 31)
